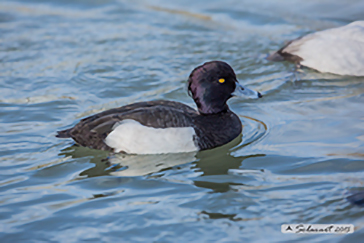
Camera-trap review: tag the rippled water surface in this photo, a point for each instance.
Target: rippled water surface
(301, 154)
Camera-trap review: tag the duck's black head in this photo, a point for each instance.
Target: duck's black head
(212, 84)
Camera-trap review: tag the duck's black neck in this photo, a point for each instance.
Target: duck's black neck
(211, 109)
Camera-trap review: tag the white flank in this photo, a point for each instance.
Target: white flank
(133, 138)
(338, 50)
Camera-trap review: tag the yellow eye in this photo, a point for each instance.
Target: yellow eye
(221, 80)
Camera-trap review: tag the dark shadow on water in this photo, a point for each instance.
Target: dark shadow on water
(356, 197)
(231, 217)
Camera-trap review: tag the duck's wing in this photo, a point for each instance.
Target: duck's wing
(338, 50)
(91, 131)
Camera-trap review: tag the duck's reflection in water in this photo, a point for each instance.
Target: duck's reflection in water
(140, 165)
(126, 165)
(216, 167)
(207, 163)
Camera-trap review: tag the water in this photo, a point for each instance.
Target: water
(300, 156)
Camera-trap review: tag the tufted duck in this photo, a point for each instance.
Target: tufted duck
(161, 126)
(338, 50)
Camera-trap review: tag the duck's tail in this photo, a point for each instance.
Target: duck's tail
(63, 133)
(275, 57)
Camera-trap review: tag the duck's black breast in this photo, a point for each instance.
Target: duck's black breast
(217, 129)
(210, 130)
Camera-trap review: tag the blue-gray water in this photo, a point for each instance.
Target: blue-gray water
(301, 154)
